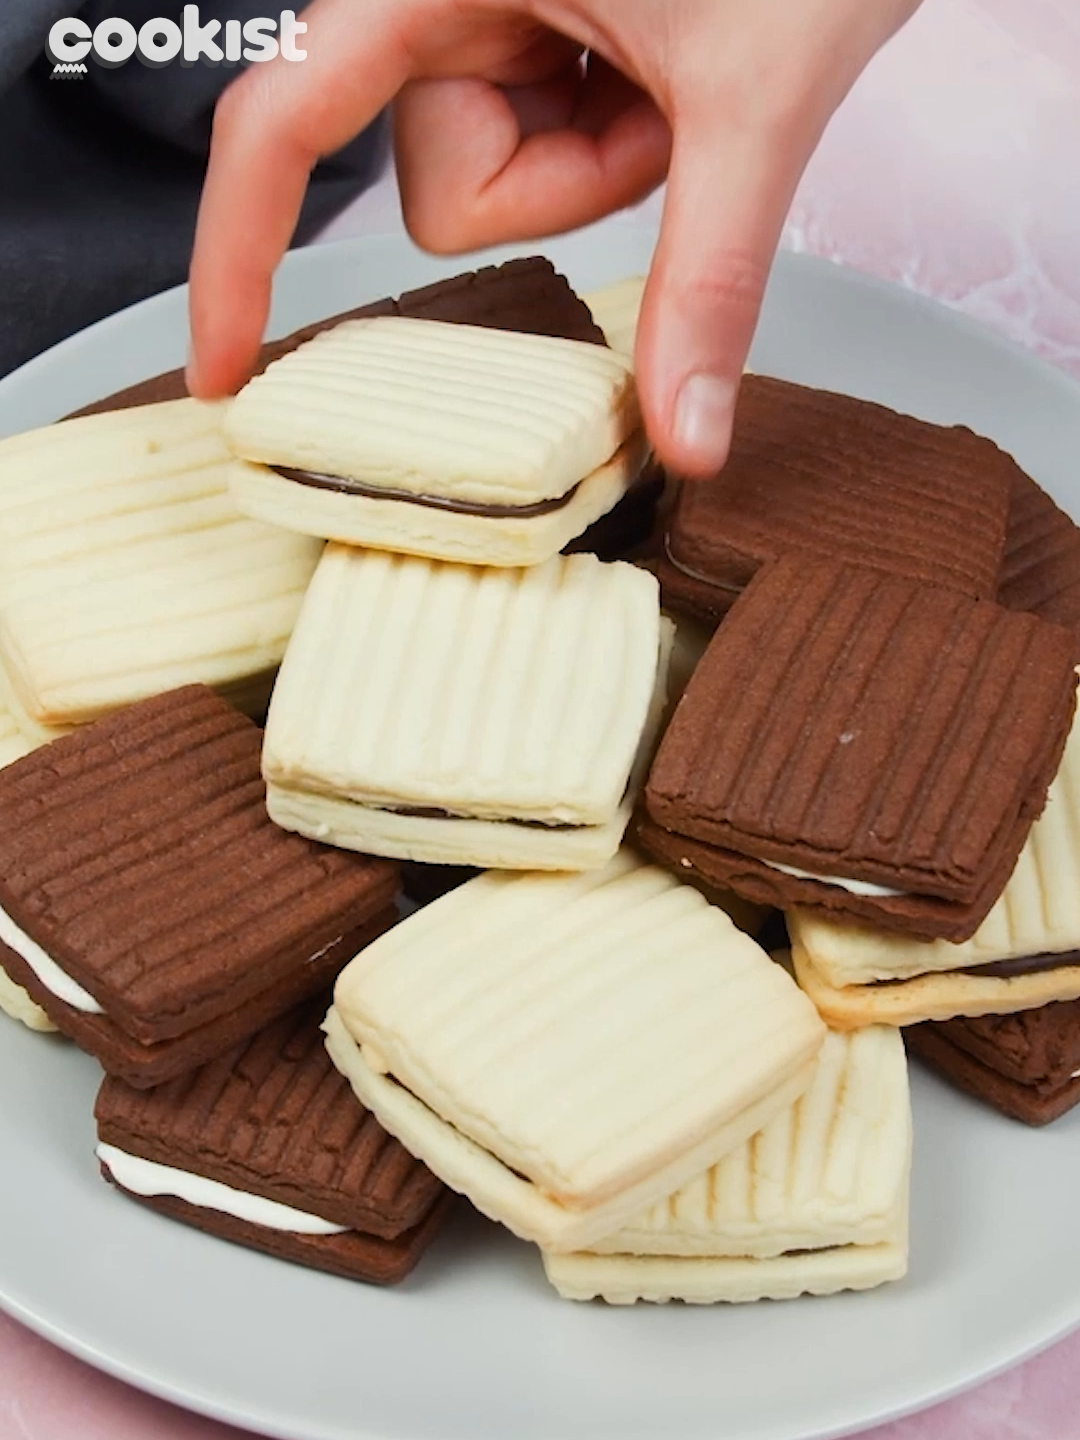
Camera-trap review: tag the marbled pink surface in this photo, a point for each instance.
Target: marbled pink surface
(952, 169)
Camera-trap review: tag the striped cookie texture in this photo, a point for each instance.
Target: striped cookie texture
(1040, 569)
(831, 1170)
(616, 308)
(138, 855)
(854, 726)
(436, 696)
(817, 1201)
(421, 408)
(499, 1033)
(126, 569)
(1038, 912)
(273, 1118)
(817, 473)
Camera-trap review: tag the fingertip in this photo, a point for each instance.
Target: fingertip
(699, 435)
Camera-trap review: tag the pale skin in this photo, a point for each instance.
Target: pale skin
(502, 132)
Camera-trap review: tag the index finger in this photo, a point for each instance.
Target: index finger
(271, 127)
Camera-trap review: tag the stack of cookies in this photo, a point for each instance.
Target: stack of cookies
(405, 535)
(882, 745)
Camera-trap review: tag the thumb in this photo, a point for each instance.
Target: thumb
(728, 193)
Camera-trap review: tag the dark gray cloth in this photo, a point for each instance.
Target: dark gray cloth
(100, 175)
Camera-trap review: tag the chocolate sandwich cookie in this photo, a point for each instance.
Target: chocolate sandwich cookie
(1026, 1065)
(865, 744)
(267, 1146)
(150, 906)
(1040, 570)
(527, 295)
(823, 474)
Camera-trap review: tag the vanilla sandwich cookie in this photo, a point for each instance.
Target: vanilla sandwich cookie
(1025, 953)
(566, 1050)
(615, 309)
(465, 716)
(126, 569)
(816, 1201)
(456, 442)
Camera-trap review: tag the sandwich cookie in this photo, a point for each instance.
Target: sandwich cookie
(455, 442)
(126, 570)
(864, 745)
(501, 1034)
(1026, 1065)
(266, 1146)
(464, 716)
(149, 905)
(815, 1202)
(819, 474)
(1025, 953)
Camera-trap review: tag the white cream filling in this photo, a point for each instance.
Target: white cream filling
(147, 1177)
(856, 887)
(58, 981)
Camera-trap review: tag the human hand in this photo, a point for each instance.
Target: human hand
(503, 131)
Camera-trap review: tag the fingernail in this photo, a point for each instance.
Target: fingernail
(704, 408)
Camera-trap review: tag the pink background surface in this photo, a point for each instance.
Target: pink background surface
(951, 169)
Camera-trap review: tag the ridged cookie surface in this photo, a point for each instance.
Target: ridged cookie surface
(272, 1117)
(454, 411)
(819, 473)
(1040, 570)
(850, 724)
(584, 1029)
(1038, 912)
(488, 693)
(126, 569)
(831, 1170)
(138, 854)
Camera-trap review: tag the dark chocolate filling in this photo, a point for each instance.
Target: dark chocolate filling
(1027, 965)
(431, 812)
(1008, 969)
(344, 486)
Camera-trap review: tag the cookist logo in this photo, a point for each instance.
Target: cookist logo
(158, 42)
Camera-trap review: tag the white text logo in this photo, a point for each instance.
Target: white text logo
(158, 42)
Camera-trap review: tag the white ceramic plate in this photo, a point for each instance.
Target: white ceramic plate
(475, 1346)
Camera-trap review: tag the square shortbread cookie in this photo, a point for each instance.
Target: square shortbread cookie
(461, 715)
(457, 442)
(815, 1201)
(126, 569)
(500, 1034)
